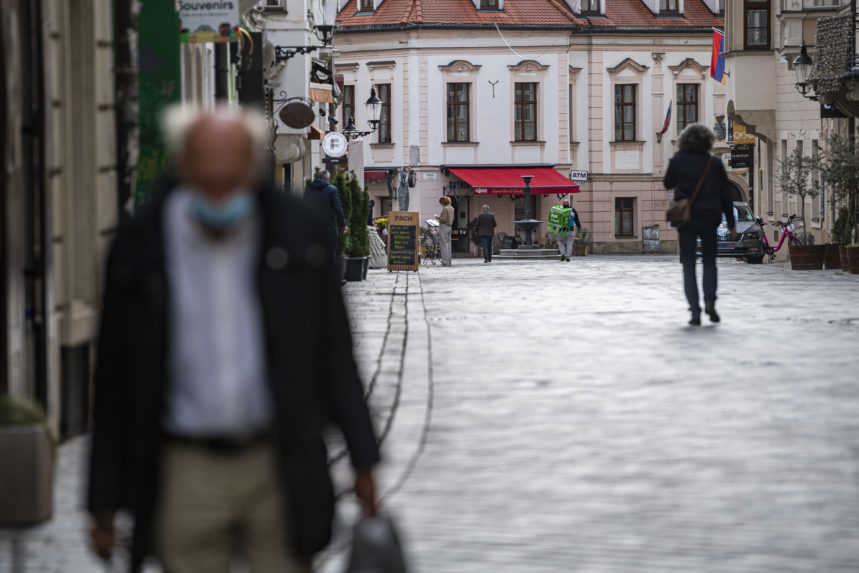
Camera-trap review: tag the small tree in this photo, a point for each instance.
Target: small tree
(797, 174)
(840, 168)
(359, 239)
(346, 201)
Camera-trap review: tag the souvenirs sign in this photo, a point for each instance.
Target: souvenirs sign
(208, 20)
(403, 240)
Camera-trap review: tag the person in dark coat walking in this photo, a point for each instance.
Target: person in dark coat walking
(224, 351)
(689, 166)
(486, 230)
(325, 197)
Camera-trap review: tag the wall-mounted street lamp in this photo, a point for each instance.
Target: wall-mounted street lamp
(373, 106)
(802, 66)
(323, 32)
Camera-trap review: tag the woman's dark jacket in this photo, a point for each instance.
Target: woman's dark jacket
(312, 374)
(716, 195)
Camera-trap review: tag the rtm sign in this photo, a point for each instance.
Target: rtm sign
(208, 21)
(578, 175)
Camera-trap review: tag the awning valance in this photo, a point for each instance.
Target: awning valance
(508, 180)
(374, 175)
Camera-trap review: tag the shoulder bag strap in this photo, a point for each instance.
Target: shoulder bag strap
(701, 181)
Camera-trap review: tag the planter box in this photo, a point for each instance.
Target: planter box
(833, 256)
(27, 475)
(806, 257)
(356, 268)
(852, 260)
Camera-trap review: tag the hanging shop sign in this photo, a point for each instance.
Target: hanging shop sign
(578, 175)
(742, 155)
(403, 240)
(208, 20)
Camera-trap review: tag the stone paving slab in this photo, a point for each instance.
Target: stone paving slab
(556, 417)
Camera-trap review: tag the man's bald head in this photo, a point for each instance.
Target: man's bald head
(216, 151)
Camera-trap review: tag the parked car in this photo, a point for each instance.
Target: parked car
(749, 245)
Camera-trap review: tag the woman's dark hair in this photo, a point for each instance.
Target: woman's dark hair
(696, 138)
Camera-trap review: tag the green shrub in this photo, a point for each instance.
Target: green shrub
(19, 412)
(342, 185)
(359, 238)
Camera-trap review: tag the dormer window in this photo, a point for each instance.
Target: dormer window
(489, 4)
(590, 6)
(669, 6)
(366, 5)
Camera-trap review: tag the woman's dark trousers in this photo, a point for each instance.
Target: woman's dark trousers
(688, 239)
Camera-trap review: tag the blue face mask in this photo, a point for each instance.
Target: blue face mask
(223, 215)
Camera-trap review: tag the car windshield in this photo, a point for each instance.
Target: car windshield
(742, 213)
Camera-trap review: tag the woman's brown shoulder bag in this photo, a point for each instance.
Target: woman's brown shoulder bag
(679, 212)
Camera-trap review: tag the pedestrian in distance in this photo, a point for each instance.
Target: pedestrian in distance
(697, 176)
(486, 231)
(224, 351)
(445, 229)
(325, 197)
(563, 221)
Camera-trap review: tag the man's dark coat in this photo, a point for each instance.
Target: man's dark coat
(312, 373)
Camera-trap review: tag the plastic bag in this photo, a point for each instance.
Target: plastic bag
(376, 547)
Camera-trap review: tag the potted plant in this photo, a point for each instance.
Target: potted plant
(852, 259)
(840, 167)
(581, 244)
(358, 243)
(27, 472)
(796, 172)
(836, 254)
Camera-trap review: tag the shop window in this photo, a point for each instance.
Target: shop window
(624, 112)
(757, 18)
(624, 216)
(384, 93)
(687, 105)
(526, 112)
(458, 112)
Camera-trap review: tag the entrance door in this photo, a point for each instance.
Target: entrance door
(460, 224)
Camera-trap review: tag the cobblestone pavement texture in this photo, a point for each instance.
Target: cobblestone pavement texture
(553, 417)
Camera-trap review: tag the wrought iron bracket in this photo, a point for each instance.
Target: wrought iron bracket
(284, 53)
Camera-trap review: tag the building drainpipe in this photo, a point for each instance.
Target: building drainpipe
(222, 72)
(34, 133)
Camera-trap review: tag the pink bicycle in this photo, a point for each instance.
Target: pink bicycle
(788, 231)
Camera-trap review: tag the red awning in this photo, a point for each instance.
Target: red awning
(374, 175)
(508, 180)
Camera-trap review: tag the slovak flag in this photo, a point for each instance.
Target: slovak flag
(717, 57)
(665, 125)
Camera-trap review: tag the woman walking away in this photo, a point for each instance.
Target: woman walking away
(445, 219)
(699, 178)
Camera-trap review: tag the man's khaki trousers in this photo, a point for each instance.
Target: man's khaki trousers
(212, 503)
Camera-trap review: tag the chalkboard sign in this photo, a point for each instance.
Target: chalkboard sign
(403, 240)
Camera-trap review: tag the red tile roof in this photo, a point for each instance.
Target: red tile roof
(530, 13)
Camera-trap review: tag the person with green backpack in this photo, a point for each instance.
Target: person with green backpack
(563, 220)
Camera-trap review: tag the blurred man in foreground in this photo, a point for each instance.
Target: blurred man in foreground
(224, 349)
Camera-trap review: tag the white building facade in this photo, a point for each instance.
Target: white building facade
(569, 96)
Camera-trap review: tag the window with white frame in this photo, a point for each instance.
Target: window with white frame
(687, 105)
(366, 5)
(624, 111)
(458, 112)
(525, 115)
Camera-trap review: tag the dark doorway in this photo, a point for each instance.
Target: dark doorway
(459, 234)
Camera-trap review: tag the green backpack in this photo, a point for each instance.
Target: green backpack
(559, 219)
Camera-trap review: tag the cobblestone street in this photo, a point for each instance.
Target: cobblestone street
(554, 417)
